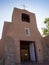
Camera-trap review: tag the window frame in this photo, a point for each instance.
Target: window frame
(28, 32)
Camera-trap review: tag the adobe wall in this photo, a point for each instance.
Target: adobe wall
(0, 49)
(4, 33)
(16, 30)
(19, 26)
(46, 39)
(46, 48)
(39, 51)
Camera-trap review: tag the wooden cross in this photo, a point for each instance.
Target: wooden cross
(24, 6)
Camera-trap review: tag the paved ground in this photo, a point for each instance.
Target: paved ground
(30, 63)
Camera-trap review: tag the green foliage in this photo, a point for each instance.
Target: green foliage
(46, 30)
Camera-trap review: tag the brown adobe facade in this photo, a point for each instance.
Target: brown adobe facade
(46, 47)
(21, 40)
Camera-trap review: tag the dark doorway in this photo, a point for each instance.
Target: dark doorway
(27, 51)
(24, 50)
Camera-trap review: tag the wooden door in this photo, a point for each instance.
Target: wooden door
(24, 55)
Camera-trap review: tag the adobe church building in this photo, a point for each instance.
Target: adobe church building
(21, 41)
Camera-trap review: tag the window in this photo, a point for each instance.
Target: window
(27, 31)
(25, 17)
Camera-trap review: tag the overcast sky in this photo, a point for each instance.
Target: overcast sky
(39, 7)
